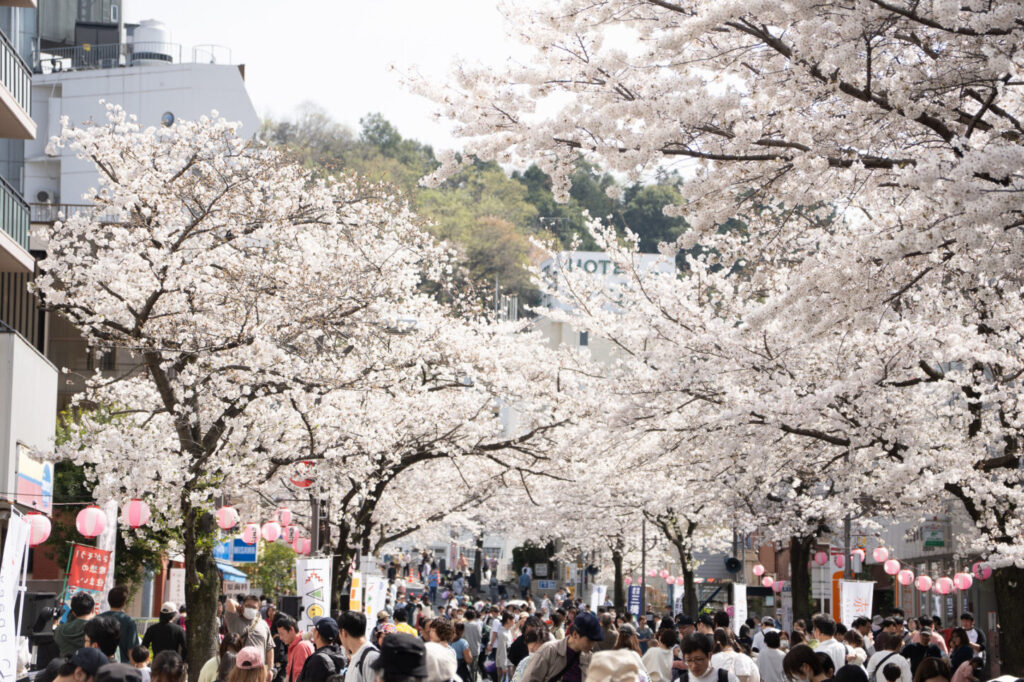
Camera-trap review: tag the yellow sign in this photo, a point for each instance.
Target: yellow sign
(355, 594)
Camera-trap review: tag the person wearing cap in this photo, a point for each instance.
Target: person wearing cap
(566, 659)
(916, 652)
(974, 635)
(118, 672)
(327, 659)
(249, 666)
(87, 662)
(70, 635)
(615, 666)
(165, 635)
(403, 658)
(247, 623)
(767, 625)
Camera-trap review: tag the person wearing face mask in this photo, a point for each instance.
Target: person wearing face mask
(250, 627)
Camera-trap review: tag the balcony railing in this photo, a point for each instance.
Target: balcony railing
(13, 214)
(115, 55)
(15, 75)
(50, 213)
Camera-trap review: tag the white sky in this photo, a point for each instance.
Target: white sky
(336, 53)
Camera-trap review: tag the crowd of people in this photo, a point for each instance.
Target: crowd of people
(452, 638)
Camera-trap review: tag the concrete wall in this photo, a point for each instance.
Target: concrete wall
(186, 90)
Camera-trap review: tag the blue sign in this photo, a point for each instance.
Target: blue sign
(633, 600)
(236, 551)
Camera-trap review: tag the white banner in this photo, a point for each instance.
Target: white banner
(855, 598)
(313, 584)
(375, 600)
(597, 596)
(176, 586)
(108, 540)
(15, 547)
(739, 606)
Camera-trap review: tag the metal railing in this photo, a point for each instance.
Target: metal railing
(50, 213)
(116, 55)
(13, 213)
(15, 74)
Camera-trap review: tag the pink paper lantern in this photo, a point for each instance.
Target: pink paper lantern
(663, 573)
(627, 580)
(767, 581)
(944, 585)
(758, 570)
(301, 545)
(963, 581)
(91, 521)
(892, 567)
(271, 531)
(227, 518)
(859, 553)
(283, 516)
(251, 533)
(880, 554)
(39, 528)
(923, 583)
(981, 571)
(778, 585)
(135, 513)
(671, 580)
(840, 560)
(288, 533)
(821, 558)
(905, 577)
(652, 572)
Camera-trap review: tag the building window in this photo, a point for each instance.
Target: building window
(584, 338)
(100, 359)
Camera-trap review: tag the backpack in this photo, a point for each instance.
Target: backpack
(723, 675)
(334, 659)
(362, 660)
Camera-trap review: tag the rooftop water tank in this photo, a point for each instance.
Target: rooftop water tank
(151, 44)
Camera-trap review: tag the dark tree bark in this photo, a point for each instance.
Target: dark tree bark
(202, 587)
(620, 586)
(1009, 584)
(478, 563)
(800, 575)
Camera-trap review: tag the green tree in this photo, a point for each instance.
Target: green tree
(274, 570)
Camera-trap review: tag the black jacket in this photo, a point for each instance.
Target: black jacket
(320, 665)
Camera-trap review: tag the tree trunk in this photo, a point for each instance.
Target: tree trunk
(620, 587)
(690, 603)
(478, 565)
(1009, 586)
(202, 588)
(339, 567)
(800, 575)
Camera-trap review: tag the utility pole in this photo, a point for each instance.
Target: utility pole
(643, 566)
(847, 564)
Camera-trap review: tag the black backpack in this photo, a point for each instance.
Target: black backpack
(335, 660)
(723, 675)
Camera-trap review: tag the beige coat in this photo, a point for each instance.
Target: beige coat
(550, 660)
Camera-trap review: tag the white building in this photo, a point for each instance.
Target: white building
(154, 79)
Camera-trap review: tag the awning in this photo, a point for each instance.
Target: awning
(231, 574)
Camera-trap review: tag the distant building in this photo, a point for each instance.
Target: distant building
(158, 81)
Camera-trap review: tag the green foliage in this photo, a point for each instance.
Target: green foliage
(135, 551)
(274, 572)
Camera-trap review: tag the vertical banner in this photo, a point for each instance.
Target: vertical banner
(89, 569)
(597, 596)
(739, 606)
(633, 600)
(313, 584)
(355, 593)
(13, 559)
(855, 598)
(107, 541)
(375, 600)
(176, 586)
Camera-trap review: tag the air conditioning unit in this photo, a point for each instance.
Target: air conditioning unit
(45, 197)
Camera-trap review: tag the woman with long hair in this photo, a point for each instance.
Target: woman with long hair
(249, 666)
(167, 667)
(960, 650)
(727, 656)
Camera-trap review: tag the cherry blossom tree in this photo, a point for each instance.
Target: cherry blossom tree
(250, 292)
(872, 149)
